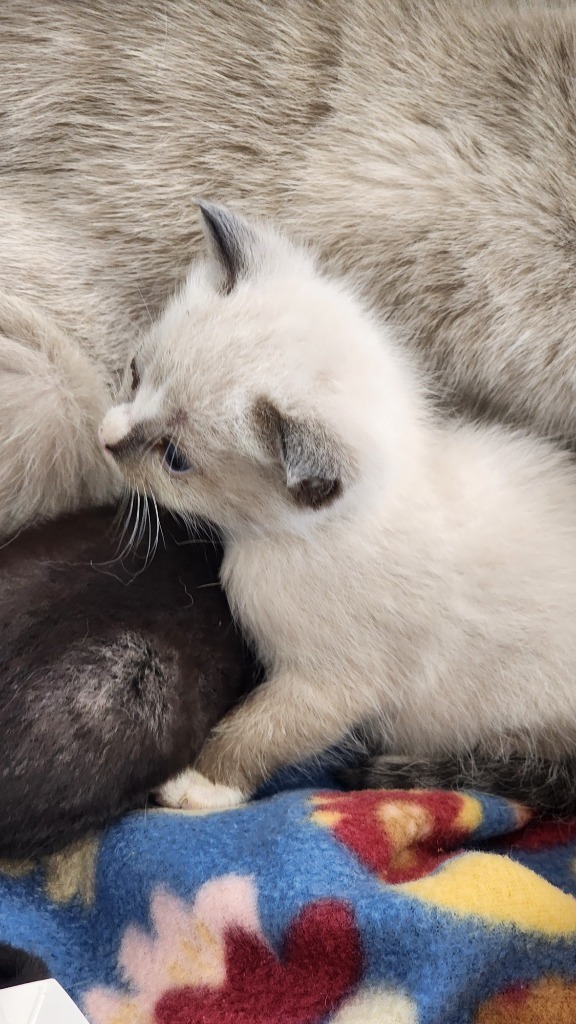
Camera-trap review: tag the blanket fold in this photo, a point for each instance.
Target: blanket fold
(310, 906)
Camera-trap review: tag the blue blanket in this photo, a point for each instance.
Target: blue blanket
(310, 905)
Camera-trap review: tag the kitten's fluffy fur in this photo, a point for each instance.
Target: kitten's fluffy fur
(387, 565)
(430, 146)
(110, 677)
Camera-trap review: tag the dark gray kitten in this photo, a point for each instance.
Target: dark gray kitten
(110, 677)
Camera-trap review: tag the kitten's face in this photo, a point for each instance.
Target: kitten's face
(236, 406)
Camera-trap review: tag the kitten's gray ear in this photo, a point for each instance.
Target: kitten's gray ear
(233, 240)
(316, 465)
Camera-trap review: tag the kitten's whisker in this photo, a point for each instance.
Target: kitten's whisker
(144, 520)
(146, 523)
(127, 495)
(134, 536)
(122, 548)
(129, 544)
(148, 530)
(159, 530)
(120, 514)
(120, 551)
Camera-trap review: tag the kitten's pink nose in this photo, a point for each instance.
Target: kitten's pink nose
(115, 426)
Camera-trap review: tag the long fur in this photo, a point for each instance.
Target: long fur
(388, 564)
(51, 397)
(427, 147)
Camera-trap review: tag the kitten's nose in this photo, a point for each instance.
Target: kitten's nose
(115, 426)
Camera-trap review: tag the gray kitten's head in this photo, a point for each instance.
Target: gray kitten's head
(264, 395)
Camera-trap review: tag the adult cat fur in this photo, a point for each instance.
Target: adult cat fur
(426, 146)
(110, 676)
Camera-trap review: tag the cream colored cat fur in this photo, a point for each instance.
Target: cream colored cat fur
(387, 565)
(428, 147)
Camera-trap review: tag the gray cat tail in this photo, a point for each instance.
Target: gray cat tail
(545, 785)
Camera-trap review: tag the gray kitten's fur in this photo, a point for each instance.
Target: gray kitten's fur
(109, 680)
(430, 145)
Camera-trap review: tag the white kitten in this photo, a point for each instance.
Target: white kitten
(388, 566)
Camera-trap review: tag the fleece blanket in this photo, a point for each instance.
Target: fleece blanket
(310, 905)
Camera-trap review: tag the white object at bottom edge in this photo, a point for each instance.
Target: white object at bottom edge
(40, 1002)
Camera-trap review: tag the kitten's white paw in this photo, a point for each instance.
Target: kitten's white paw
(191, 791)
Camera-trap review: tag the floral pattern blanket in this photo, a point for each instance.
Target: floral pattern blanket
(310, 905)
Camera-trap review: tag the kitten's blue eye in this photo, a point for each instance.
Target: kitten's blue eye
(174, 461)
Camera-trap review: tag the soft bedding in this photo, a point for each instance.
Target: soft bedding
(310, 905)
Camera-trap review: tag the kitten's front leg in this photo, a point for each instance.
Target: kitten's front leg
(282, 722)
(192, 791)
